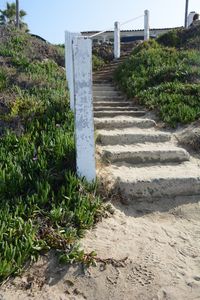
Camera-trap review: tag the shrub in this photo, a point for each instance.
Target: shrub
(97, 63)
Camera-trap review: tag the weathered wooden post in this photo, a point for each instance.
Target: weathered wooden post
(117, 40)
(186, 13)
(146, 25)
(84, 122)
(69, 64)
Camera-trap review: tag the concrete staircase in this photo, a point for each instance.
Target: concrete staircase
(141, 160)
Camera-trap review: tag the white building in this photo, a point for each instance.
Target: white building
(193, 16)
(126, 35)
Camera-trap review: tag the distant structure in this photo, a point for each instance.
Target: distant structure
(126, 35)
(192, 17)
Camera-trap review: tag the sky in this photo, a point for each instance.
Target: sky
(50, 18)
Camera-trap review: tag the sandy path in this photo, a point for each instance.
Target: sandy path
(161, 241)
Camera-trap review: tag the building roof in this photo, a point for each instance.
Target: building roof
(130, 30)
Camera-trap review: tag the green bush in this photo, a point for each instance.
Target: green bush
(170, 39)
(97, 63)
(182, 38)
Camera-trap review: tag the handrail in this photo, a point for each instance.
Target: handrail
(121, 24)
(131, 20)
(100, 32)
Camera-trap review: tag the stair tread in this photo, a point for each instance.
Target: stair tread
(142, 147)
(113, 102)
(123, 122)
(114, 113)
(133, 130)
(122, 119)
(109, 97)
(116, 108)
(144, 153)
(122, 111)
(128, 172)
(131, 135)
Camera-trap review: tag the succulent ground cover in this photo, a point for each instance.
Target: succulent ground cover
(165, 79)
(43, 205)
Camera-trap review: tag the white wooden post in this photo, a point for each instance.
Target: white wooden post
(146, 25)
(69, 64)
(117, 40)
(84, 121)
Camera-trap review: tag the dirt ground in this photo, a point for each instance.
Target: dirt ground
(146, 251)
(152, 252)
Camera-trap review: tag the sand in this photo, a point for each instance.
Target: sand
(158, 244)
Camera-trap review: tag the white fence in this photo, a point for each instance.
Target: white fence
(78, 62)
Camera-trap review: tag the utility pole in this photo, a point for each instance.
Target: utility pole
(17, 13)
(186, 13)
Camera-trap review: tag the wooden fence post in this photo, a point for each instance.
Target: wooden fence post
(146, 25)
(117, 40)
(69, 64)
(84, 121)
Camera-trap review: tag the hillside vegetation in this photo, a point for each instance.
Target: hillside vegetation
(182, 38)
(166, 79)
(43, 205)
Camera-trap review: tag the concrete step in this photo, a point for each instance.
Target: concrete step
(115, 108)
(108, 98)
(120, 60)
(130, 136)
(114, 113)
(123, 122)
(103, 87)
(102, 81)
(113, 104)
(99, 79)
(104, 73)
(160, 181)
(107, 93)
(108, 70)
(144, 153)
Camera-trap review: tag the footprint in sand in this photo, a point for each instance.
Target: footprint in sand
(140, 274)
(189, 251)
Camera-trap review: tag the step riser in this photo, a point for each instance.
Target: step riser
(106, 93)
(106, 72)
(103, 76)
(103, 88)
(107, 98)
(101, 81)
(113, 104)
(160, 188)
(146, 156)
(118, 113)
(120, 124)
(116, 108)
(132, 139)
(98, 100)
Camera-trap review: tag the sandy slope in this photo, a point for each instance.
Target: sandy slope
(161, 241)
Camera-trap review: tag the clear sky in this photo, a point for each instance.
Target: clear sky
(50, 18)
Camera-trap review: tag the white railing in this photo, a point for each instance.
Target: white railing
(78, 62)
